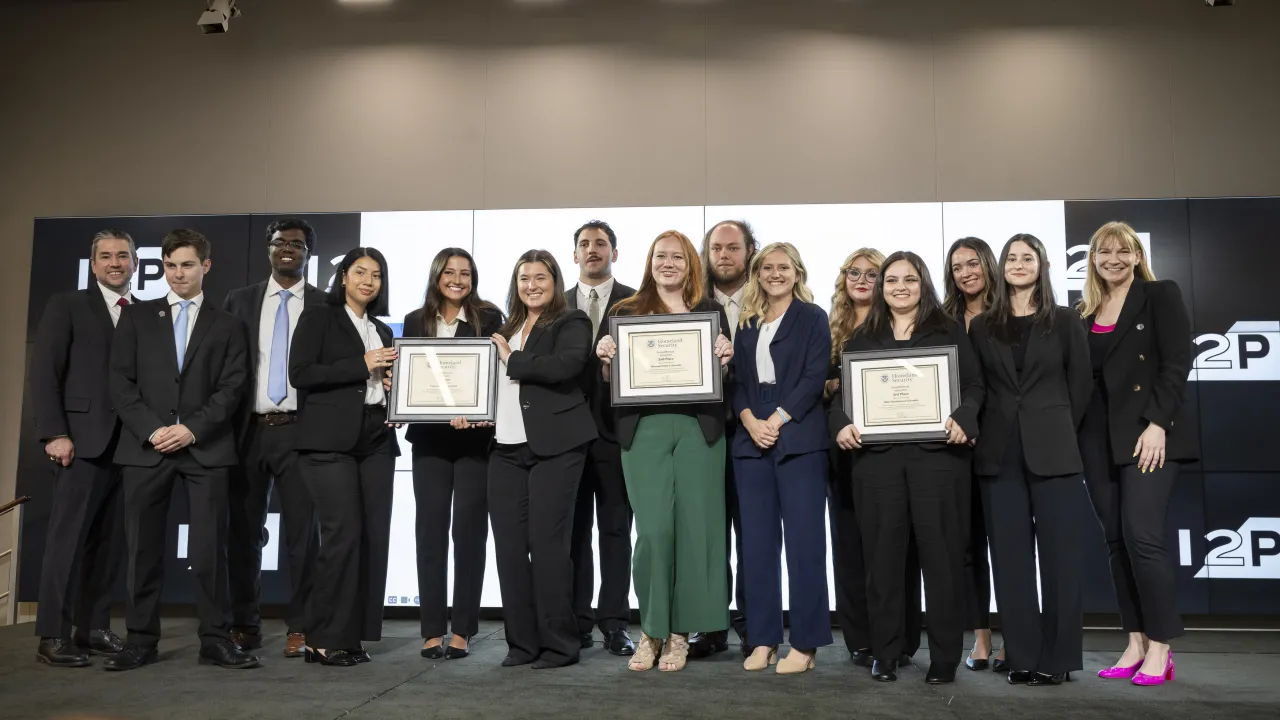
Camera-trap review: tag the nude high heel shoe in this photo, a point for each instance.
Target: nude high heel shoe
(796, 661)
(762, 657)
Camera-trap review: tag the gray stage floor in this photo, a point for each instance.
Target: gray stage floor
(1220, 675)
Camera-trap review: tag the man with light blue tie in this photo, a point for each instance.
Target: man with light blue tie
(266, 429)
(177, 373)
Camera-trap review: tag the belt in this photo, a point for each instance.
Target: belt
(275, 418)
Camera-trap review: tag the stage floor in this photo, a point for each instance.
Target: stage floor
(1220, 675)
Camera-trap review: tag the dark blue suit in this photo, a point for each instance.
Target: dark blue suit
(785, 484)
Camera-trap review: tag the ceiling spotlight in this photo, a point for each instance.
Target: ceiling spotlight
(217, 16)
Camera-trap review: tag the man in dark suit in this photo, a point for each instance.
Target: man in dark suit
(602, 488)
(76, 422)
(178, 369)
(266, 429)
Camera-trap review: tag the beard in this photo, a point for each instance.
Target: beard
(727, 275)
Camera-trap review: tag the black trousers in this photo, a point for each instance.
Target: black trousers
(897, 491)
(733, 531)
(268, 459)
(531, 502)
(1133, 508)
(147, 493)
(850, 569)
(1029, 516)
(602, 496)
(977, 564)
(451, 491)
(352, 493)
(83, 547)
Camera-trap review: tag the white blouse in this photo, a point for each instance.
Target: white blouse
(373, 393)
(765, 374)
(509, 425)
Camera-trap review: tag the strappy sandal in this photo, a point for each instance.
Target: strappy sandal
(676, 655)
(646, 654)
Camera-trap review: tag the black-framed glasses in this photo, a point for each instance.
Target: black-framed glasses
(290, 244)
(855, 274)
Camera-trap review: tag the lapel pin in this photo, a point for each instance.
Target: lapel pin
(1139, 326)
(161, 313)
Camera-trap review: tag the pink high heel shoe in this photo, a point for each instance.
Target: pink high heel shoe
(1144, 679)
(1119, 673)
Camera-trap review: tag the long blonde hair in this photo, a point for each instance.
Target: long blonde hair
(843, 315)
(755, 301)
(1095, 288)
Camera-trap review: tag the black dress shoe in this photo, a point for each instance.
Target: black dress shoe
(1019, 677)
(432, 653)
(246, 639)
(131, 658)
(618, 642)
(999, 665)
(514, 661)
(587, 640)
(59, 652)
(453, 653)
(861, 657)
(226, 655)
(703, 645)
(100, 642)
(1040, 678)
(975, 663)
(331, 658)
(883, 671)
(940, 673)
(545, 664)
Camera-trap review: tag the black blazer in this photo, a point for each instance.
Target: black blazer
(1145, 371)
(326, 365)
(1046, 402)
(426, 437)
(593, 384)
(801, 352)
(549, 367)
(972, 390)
(711, 416)
(246, 304)
(69, 371)
(150, 393)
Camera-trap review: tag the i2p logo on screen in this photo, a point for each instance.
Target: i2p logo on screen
(1078, 265)
(1242, 353)
(1251, 553)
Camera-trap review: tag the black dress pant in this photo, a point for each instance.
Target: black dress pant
(451, 491)
(147, 494)
(531, 502)
(899, 490)
(977, 564)
(83, 548)
(602, 495)
(850, 569)
(1133, 508)
(352, 492)
(1029, 516)
(268, 459)
(733, 527)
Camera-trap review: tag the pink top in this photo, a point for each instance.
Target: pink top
(1102, 328)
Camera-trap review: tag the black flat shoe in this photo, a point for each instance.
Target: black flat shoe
(513, 661)
(453, 653)
(999, 665)
(131, 658)
(1019, 677)
(618, 642)
(60, 652)
(1040, 678)
(976, 663)
(587, 640)
(435, 652)
(703, 645)
(332, 658)
(227, 655)
(361, 655)
(883, 671)
(861, 657)
(940, 673)
(100, 642)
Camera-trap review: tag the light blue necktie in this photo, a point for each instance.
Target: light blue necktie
(180, 331)
(278, 364)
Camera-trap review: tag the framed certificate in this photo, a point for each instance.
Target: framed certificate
(434, 380)
(903, 395)
(664, 359)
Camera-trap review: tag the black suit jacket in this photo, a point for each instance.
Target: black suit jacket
(326, 366)
(427, 437)
(593, 384)
(711, 416)
(1145, 371)
(246, 304)
(972, 390)
(69, 371)
(1045, 403)
(549, 367)
(149, 392)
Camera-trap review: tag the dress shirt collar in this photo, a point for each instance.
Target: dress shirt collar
(461, 317)
(735, 298)
(603, 290)
(111, 296)
(273, 287)
(173, 299)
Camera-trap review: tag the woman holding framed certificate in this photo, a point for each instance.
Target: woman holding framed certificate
(540, 446)
(673, 459)
(1035, 362)
(451, 466)
(780, 460)
(901, 483)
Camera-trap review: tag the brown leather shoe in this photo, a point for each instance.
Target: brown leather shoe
(294, 645)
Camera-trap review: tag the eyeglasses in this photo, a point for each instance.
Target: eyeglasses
(290, 244)
(855, 274)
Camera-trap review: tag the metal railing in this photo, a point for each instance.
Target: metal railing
(10, 595)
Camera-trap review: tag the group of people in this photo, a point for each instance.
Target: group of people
(286, 386)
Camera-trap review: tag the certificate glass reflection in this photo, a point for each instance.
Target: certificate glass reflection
(665, 359)
(438, 379)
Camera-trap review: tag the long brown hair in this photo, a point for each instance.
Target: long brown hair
(844, 316)
(1094, 286)
(646, 301)
(953, 301)
(472, 305)
(517, 312)
(1000, 312)
(930, 317)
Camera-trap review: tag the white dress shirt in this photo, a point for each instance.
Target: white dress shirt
(450, 329)
(112, 299)
(509, 425)
(765, 374)
(193, 312)
(603, 291)
(373, 393)
(266, 333)
(732, 307)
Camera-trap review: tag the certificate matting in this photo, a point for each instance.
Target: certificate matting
(901, 395)
(434, 379)
(437, 379)
(665, 359)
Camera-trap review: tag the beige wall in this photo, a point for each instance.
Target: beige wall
(122, 107)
